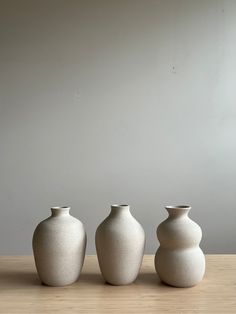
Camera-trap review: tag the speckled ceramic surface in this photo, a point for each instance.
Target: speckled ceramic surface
(59, 244)
(179, 261)
(120, 241)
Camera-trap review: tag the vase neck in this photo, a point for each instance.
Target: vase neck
(178, 211)
(119, 210)
(60, 211)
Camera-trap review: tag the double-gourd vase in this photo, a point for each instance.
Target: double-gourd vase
(179, 261)
(120, 241)
(59, 244)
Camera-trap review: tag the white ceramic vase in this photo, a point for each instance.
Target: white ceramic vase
(179, 261)
(120, 241)
(59, 244)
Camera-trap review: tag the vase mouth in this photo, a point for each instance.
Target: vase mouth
(60, 207)
(119, 206)
(178, 207)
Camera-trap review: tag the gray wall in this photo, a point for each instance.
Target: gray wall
(110, 101)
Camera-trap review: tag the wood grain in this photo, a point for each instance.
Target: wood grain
(21, 291)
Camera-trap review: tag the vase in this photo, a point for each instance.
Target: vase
(179, 261)
(120, 241)
(59, 244)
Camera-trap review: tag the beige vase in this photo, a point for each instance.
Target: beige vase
(179, 261)
(120, 241)
(59, 244)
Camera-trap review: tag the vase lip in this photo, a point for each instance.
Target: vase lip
(119, 206)
(60, 207)
(178, 207)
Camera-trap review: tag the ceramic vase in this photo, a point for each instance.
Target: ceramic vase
(120, 241)
(59, 244)
(179, 261)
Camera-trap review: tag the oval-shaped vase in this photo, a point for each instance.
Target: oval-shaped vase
(179, 261)
(59, 244)
(120, 241)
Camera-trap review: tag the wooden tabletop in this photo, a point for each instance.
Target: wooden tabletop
(21, 291)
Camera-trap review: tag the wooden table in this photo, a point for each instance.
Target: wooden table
(21, 291)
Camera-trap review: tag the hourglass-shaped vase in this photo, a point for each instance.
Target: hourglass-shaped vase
(179, 261)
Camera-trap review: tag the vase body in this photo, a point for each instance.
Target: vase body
(179, 261)
(120, 241)
(59, 244)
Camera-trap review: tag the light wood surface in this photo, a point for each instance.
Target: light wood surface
(21, 291)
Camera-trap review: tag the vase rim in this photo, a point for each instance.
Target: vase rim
(60, 207)
(118, 205)
(178, 207)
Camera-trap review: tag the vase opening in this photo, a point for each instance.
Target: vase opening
(60, 207)
(60, 210)
(178, 207)
(178, 210)
(119, 208)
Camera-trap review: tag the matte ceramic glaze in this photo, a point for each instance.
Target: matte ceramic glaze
(179, 261)
(59, 244)
(120, 241)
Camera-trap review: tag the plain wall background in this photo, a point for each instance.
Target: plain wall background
(110, 101)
